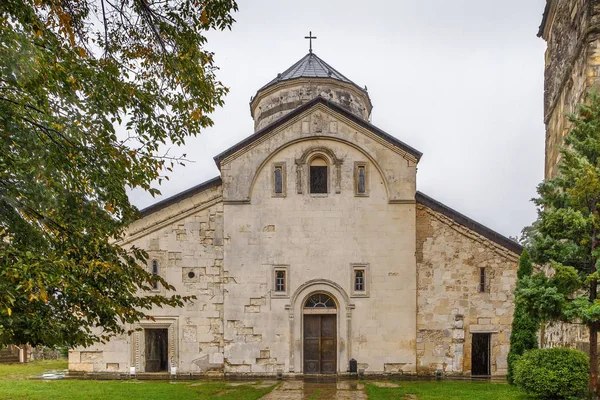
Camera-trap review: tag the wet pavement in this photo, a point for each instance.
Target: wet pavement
(301, 390)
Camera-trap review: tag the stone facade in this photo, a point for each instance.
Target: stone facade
(271, 104)
(571, 29)
(412, 311)
(186, 240)
(450, 305)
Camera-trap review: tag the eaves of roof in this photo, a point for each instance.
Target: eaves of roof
(181, 196)
(467, 222)
(317, 100)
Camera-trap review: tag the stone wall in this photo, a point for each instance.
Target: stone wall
(397, 167)
(186, 239)
(276, 101)
(318, 238)
(450, 306)
(43, 353)
(572, 66)
(558, 334)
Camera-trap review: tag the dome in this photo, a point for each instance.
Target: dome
(306, 79)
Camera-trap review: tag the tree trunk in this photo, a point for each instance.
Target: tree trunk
(593, 327)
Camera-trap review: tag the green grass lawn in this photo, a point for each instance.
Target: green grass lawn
(35, 368)
(14, 385)
(101, 390)
(447, 390)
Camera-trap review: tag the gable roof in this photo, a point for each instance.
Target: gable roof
(317, 100)
(467, 222)
(216, 181)
(311, 66)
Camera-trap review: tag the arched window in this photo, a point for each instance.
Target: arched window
(319, 172)
(155, 272)
(319, 300)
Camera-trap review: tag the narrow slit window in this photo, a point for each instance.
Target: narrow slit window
(361, 179)
(278, 179)
(318, 176)
(280, 281)
(482, 286)
(359, 280)
(155, 272)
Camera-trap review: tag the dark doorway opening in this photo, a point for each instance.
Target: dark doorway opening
(480, 354)
(157, 350)
(320, 337)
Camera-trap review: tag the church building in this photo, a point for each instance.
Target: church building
(313, 248)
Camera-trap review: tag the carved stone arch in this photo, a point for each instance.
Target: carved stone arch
(319, 149)
(308, 155)
(273, 153)
(344, 321)
(337, 289)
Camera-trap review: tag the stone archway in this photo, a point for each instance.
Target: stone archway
(343, 322)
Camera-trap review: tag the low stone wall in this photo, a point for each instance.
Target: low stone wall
(43, 353)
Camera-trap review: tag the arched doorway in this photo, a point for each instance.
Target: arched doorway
(320, 334)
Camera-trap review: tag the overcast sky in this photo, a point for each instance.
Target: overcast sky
(461, 81)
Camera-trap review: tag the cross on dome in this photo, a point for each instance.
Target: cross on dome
(310, 37)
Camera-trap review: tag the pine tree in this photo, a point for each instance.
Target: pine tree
(523, 334)
(565, 235)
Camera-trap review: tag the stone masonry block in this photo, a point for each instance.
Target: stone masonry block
(252, 309)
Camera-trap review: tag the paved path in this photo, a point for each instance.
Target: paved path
(299, 390)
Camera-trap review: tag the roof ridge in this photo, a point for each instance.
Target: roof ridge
(329, 67)
(336, 107)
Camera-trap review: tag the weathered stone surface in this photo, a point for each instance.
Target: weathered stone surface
(572, 67)
(273, 103)
(450, 306)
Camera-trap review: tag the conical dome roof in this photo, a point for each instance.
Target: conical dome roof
(306, 79)
(310, 66)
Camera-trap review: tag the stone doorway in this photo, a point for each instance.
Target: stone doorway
(320, 335)
(156, 349)
(480, 354)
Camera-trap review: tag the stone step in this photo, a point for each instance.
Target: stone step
(9, 360)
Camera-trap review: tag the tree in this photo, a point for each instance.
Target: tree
(523, 335)
(91, 91)
(565, 235)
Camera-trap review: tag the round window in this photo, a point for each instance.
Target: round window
(191, 274)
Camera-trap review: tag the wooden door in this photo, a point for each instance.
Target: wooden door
(320, 344)
(156, 350)
(480, 354)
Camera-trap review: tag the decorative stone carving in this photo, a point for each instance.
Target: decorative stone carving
(333, 160)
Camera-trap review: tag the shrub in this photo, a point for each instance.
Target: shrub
(556, 373)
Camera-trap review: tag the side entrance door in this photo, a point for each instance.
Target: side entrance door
(157, 350)
(320, 340)
(480, 354)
